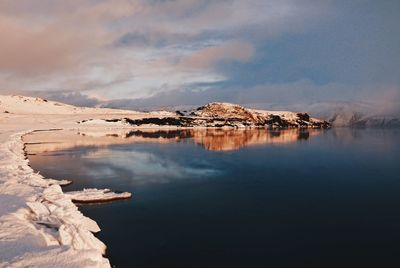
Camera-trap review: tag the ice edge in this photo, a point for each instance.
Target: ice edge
(48, 230)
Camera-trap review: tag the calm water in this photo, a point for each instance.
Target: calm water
(227, 199)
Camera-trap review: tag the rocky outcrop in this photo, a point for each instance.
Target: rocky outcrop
(227, 115)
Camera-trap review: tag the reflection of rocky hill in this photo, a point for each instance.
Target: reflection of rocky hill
(227, 140)
(210, 139)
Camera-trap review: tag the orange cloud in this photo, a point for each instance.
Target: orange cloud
(27, 50)
(207, 57)
(54, 37)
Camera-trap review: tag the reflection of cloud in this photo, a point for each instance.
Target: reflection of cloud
(143, 167)
(147, 168)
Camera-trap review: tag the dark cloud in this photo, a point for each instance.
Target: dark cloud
(73, 98)
(68, 97)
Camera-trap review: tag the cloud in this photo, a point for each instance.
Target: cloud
(209, 56)
(88, 45)
(68, 97)
(187, 51)
(28, 51)
(74, 98)
(52, 37)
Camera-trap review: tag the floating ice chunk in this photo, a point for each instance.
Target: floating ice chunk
(96, 195)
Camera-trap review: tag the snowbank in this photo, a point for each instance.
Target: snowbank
(39, 224)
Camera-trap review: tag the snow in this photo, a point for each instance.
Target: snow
(39, 224)
(102, 122)
(58, 182)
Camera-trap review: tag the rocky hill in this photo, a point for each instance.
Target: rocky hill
(227, 115)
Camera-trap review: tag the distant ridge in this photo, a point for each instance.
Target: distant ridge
(212, 115)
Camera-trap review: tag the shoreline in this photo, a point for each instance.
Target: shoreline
(60, 235)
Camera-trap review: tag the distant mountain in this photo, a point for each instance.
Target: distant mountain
(357, 114)
(347, 114)
(359, 120)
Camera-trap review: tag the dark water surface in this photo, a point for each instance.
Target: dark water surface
(326, 199)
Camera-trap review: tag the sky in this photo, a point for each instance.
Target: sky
(157, 53)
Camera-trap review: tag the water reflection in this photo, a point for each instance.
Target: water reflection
(298, 197)
(102, 157)
(142, 167)
(210, 139)
(227, 140)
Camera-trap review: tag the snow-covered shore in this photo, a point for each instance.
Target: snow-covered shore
(39, 224)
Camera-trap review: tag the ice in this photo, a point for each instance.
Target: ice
(58, 182)
(96, 195)
(39, 224)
